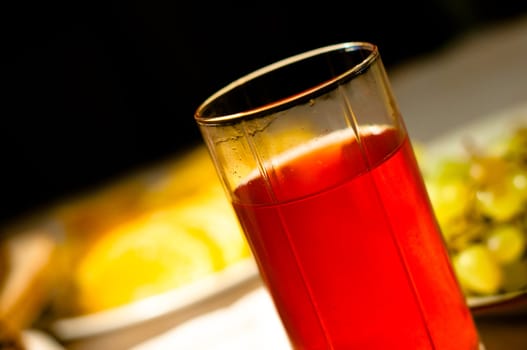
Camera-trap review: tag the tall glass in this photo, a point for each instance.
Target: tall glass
(316, 160)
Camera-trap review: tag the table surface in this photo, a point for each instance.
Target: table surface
(480, 74)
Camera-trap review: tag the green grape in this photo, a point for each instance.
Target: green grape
(477, 270)
(461, 233)
(518, 181)
(480, 202)
(450, 200)
(515, 146)
(500, 203)
(499, 148)
(515, 276)
(487, 170)
(452, 168)
(506, 243)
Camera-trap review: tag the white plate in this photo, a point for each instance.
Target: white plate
(35, 339)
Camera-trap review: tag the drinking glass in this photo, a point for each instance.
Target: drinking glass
(316, 161)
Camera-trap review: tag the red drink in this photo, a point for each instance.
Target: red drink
(349, 248)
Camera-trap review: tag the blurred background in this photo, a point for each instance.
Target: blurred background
(94, 91)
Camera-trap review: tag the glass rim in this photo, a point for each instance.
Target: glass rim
(267, 108)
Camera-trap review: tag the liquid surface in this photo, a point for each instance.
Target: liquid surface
(347, 244)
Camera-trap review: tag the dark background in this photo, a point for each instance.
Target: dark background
(94, 91)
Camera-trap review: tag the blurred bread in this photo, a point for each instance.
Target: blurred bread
(10, 339)
(26, 267)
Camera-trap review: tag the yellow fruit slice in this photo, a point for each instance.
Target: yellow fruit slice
(212, 214)
(143, 257)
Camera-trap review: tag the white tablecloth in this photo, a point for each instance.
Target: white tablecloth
(249, 323)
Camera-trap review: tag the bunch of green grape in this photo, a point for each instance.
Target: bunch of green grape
(480, 201)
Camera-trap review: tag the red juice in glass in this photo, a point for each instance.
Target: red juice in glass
(345, 238)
